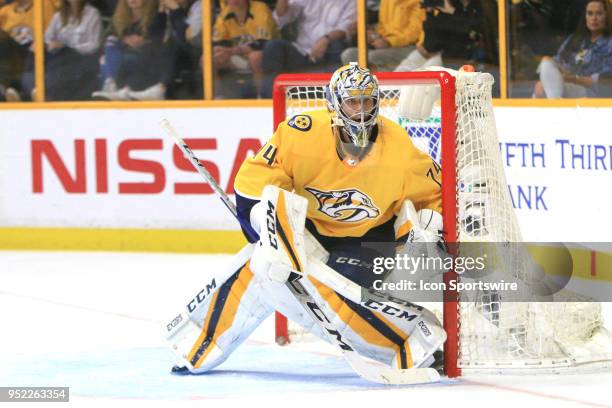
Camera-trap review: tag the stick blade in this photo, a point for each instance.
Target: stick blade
(392, 376)
(411, 376)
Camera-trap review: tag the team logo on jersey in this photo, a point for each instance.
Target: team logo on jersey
(301, 122)
(345, 205)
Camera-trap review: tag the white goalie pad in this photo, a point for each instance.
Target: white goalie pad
(281, 249)
(183, 328)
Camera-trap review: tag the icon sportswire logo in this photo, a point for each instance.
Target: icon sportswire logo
(349, 205)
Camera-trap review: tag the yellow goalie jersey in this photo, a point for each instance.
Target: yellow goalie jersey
(343, 200)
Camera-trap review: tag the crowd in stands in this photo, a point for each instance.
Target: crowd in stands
(152, 49)
(241, 31)
(16, 42)
(458, 29)
(72, 40)
(135, 62)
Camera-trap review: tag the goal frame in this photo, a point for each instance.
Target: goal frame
(448, 119)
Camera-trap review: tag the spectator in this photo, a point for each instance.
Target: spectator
(72, 41)
(583, 64)
(323, 30)
(399, 28)
(185, 23)
(241, 30)
(16, 36)
(186, 20)
(220, 4)
(134, 66)
(458, 29)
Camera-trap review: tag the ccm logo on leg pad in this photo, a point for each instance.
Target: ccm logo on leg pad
(271, 224)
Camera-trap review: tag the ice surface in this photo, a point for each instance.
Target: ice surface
(90, 321)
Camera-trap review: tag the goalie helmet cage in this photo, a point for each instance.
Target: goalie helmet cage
(483, 334)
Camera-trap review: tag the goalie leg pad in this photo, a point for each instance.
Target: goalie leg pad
(376, 331)
(221, 322)
(402, 340)
(426, 338)
(196, 307)
(281, 248)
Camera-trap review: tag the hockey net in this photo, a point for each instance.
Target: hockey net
(484, 334)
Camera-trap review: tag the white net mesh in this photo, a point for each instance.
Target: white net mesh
(513, 334)
(493, 334)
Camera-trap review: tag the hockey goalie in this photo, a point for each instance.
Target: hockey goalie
(324, 184)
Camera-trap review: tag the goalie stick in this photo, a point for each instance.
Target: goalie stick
(366, 369)
(193, 159)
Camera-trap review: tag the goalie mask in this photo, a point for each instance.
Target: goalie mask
(353, 98)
